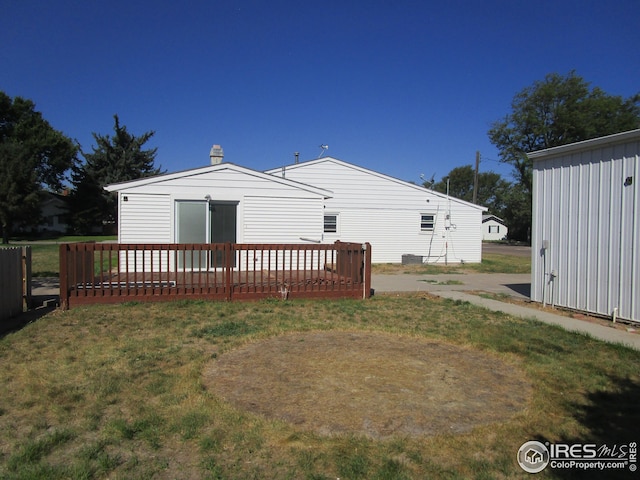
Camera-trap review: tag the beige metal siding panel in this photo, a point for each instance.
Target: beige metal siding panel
(590, 218)
(629, 233)
(634, 307)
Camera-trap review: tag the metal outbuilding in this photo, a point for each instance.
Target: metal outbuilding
(586, 226)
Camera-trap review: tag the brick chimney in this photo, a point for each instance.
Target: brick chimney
(216, 154)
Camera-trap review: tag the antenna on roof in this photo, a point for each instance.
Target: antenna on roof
(428, 183)
(323, 148)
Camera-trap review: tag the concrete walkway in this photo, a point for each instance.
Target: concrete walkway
(455, 287)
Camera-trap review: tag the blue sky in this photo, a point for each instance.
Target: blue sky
(401, 87)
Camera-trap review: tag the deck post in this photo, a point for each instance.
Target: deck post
(367, 271)
(228, 268)
(64, 277)
(26, 278)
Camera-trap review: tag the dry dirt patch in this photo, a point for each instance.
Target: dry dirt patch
(378, 385)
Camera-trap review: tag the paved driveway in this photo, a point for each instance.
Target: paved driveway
(502, 249)
(515, 285)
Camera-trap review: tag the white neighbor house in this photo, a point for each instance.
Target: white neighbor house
(397, 217)
(321, 201)
(586, 226)
(493, 228)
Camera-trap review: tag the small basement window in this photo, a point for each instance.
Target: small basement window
(331, 223)
(427, 222)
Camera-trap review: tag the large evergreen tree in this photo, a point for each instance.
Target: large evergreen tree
(33, 155)
(114, 159)
(555, 111)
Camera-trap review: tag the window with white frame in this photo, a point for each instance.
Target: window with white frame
(427, 222)
(494, 228)
(331, 223)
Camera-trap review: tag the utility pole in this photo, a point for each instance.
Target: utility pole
(475, 177)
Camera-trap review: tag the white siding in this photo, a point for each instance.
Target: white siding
(393, 233)
(371, 207)
(589, 218)
(269, 210)
(281, 220)
(144, 218)
(385, 212)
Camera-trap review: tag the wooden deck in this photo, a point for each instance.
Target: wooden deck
(331, 271)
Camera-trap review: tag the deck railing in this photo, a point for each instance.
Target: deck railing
(113, 273)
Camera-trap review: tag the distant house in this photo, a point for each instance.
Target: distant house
(54, 209)
(320, 201)
(586, 226)
(398, 218)
(493, 228)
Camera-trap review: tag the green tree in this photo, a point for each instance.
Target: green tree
(492, 188)
(33, 155)
(114, 159)
(556, 111)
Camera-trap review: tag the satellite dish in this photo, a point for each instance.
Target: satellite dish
(323, 148)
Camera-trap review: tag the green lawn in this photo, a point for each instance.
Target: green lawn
(63, 239)
(117, 392)
(45, 263)
(491, 263)
(45, 254)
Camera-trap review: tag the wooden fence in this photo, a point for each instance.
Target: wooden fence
(15, 281)
(113, 273)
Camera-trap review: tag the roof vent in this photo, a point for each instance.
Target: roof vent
(216, 154)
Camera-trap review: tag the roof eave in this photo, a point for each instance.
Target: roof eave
(585, 145)
(116, 187)
(273, 171)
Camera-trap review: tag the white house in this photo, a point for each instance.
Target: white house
(218, 203)
(397, 217)
(321, 201)
(493, 228)
(586, 226)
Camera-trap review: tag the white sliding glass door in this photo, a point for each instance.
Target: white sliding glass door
(204, 222)
(191, 227)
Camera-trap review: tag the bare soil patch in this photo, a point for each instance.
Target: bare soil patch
(373, 384)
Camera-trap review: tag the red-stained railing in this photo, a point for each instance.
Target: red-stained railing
(112, 273)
